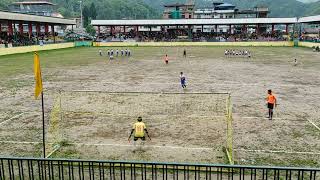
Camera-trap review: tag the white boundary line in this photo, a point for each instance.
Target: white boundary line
(3, 122)
(172, 147)
(277, 151)
(195, 84)
(54, 150)
(116, 145)
(256, 117)
(21, 142)
(314, 124)
(125, 145)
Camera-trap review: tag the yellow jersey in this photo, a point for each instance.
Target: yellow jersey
(139, 128)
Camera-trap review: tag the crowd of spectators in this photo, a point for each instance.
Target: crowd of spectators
(310, 39)
(18, 39)
(156, 36)
(183, 35)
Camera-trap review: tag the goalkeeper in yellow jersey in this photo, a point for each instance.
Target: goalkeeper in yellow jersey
(138, 129)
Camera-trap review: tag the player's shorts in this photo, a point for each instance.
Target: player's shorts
(270, 105)
(166, 62)
(142, 138)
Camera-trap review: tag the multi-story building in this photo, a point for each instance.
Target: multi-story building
(178, 11)
(222, 10)
(219, 10)
(36, 7)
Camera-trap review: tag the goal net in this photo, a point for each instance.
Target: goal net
(174, 120)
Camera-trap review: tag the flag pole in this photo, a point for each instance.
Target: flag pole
(37, 91)
(43, 127)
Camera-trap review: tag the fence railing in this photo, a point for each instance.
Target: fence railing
(49, 169)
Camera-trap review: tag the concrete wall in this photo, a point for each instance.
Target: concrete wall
(25, 49)
(308, 44)
(265, 44)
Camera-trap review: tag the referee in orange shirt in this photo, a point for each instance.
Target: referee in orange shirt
(271, 102)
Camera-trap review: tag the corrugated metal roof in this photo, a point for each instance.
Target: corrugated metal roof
(34, 2)
(226, 5)
(174, 5)
(34, 18)
(310, 19)
(194, 21)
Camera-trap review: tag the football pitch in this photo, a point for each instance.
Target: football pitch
(292, 138)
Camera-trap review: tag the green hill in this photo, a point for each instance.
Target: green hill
(139, 9)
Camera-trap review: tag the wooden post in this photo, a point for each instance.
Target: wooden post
(99, 30)
(21, 28)
(244, 28)
(30, 29)
(258, 29)
(38, 29)
(53, 33)
(46, 28)
(272, 27)
(10, 29)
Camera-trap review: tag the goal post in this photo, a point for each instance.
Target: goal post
(229, 122)
(89, 111)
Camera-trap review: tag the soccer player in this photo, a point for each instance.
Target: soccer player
(295, 62)
(121, 52)
(271, 102)
(138, 129)
(108, 52)
(117, 52)
(226, 52)
(111, 52)
(111, 56)
(249, 54)
(166, 59)
(126, 52)
(100, 52)
(183, 80)
(129, 52)
(184, 53)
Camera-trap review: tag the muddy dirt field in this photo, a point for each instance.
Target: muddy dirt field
(291, 139)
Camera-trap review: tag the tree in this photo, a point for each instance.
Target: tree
(86, 16)
(93, 11)
(90, 30)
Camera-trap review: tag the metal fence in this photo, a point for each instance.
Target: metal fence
(49, 169)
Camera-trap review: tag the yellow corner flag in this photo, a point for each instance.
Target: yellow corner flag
(37, 75)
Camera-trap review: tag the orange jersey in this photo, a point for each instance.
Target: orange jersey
(271, 99)
(166, 58)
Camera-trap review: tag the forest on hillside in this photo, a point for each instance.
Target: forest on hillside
(140, 9)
